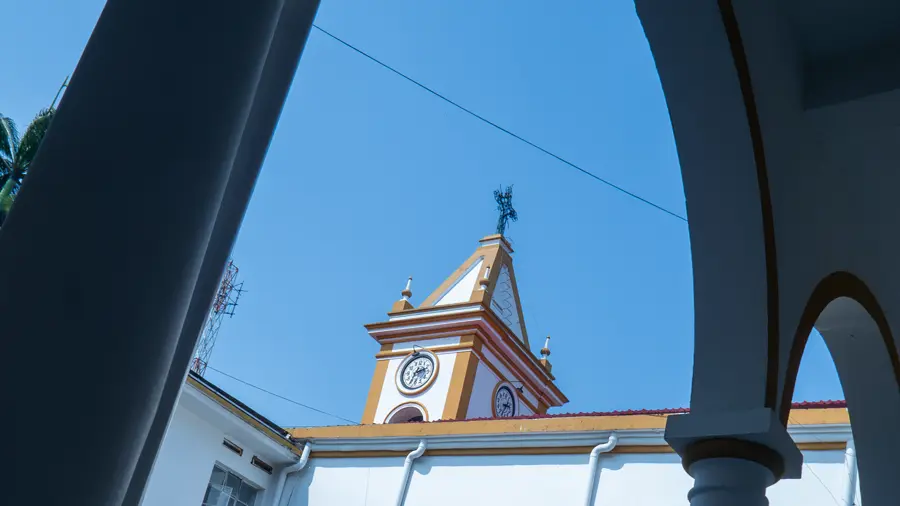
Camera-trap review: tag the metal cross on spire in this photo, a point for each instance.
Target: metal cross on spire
(504, 205)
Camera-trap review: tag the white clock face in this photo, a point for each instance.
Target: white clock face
(417, 372)
(504, 402)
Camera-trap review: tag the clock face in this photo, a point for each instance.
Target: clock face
(417, 372)
(504, 402)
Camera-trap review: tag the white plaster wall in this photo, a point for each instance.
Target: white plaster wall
(498, 480)
(346, 482)
(482, 392)
(433, 399)
(508, 375)
(482, 389)
(465, 285)
(539, 480)
(524, 409)
(827, 466)
(190, 449)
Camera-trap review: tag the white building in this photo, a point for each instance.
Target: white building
(456, 414)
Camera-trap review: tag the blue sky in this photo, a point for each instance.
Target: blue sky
(369, 180)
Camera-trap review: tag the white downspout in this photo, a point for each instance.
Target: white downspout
(594, 466)
(407, 471)
(293, 468)
(850, 475)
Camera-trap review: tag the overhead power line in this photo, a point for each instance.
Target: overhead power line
(292, 401)
(498, 127)
(810, 469)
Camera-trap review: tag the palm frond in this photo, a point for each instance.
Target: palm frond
(31, 140)
(9, 138)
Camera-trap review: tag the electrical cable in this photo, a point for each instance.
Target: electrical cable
(498, 127)
(810, 469)
(292, 401)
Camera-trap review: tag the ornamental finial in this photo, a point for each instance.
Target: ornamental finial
(407, 292)
(545, 351)
(504, 205)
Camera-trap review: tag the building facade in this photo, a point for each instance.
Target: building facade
(457, 414)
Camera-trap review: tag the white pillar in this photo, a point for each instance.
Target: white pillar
(729, 482)
(850, 475)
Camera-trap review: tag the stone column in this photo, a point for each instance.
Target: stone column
(728, 481)
(287, 44)
(733, 456)
(102, 254)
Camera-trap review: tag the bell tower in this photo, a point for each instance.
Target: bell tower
(464, 352)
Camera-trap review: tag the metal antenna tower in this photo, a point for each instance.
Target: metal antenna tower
(223, 305)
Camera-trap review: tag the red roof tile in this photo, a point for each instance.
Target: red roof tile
(666, 411)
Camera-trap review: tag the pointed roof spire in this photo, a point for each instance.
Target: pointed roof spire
(485, 278)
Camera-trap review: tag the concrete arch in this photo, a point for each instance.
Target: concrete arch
(761, 168)
(783, 138)
(725, 174)
(820, 306)
(860, 342)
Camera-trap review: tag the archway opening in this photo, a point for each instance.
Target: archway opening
(817, 380)
(407, 413)
(817, 377)
(856, 334)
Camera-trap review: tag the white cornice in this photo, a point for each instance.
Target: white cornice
(633, 437)
(436, 311)
(475, 314)
(648, 437)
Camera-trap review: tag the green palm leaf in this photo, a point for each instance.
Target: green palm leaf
(17, 154)
(31, 140)
(9, 141)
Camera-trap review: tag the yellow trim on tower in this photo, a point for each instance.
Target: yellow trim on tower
(488, 254)
(503, 258)
(462, 380)
(526, 360)
(379, 380)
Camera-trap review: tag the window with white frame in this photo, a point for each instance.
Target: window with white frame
(228, 489)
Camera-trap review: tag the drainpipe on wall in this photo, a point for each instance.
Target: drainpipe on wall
(594, 466)
(293, 468)
(407, 471)
(850, 475)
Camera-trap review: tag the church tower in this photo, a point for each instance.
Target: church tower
(464, 352)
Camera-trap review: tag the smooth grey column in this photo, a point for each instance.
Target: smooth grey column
(287, 45)
(100, 256)
(729, 482)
